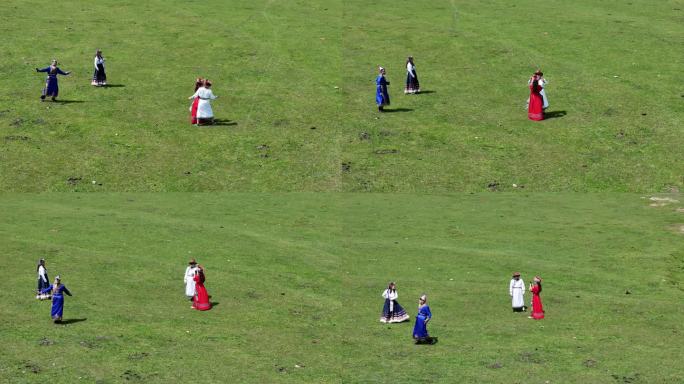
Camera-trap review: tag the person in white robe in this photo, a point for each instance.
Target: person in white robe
(205, 115)
(517, 291)
(188, 279)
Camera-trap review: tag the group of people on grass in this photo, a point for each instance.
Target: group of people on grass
(516, 289)
(195, 290)
(393, 312)
(202, 114)
(54, 291)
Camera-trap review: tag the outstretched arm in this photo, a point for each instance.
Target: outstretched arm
(67, 291)
(62, 72)
(43, 70)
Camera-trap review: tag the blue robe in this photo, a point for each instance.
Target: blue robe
(381, 95)
(57, 300)
(420, 329)
(51, 86)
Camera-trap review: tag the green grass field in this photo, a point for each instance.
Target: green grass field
(273, 200)
(298, 279)
(614, 68)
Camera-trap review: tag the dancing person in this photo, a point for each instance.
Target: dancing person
(43, 280)
(381, 96)
(535, 110)
(204, 113)
(412, 84)
(392, 312)
(189, 279)
(517, 290)
(195, 102)
(99, 77)
(420, 332)
(51, 86)
(537, 308)
(200, 301)
(57, 290)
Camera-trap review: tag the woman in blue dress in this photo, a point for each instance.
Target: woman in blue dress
(51, 87)
(58, 290)
(381, 95)
(420, 333)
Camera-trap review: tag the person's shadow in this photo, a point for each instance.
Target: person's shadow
(554, 114)
(397, 110)
(71, 321)
(219, 122)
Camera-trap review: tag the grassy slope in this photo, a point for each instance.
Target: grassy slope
(298, 279)
(276, 65)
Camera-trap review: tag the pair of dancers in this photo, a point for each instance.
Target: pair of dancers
(200, 110)
(516, 289)
(51, 88)
(393, 312)
(194, 286)
(382, 98)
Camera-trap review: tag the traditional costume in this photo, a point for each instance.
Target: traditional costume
(420, 332)
(201, 300)
(189, 279)
(392, 312)
(537, 308)
(195, 102)
(204, 111)
(57, 290)
(412, 84)
(535, 109)
(381, 96)
(99, 77)
(43, 281)
(51, 86)
(517, 291)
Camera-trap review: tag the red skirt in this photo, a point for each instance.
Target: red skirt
(201, 299)
(535, 111)
(537, 308)
(193, 111)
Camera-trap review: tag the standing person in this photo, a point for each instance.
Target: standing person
(189, 279)
(542, 83)
(412, 84)
(381, 95)
(420, 332)
(517, 290)
(195, 102)
(201, 300)
(99, 77)
(204, 113)
(537, 308)
(57, 290)
(535, 110)
(43, 280)
(51, 86)
(392, 312)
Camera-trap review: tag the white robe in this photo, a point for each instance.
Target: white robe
(517, 290)
(42, 273)
(391, 295)
(204, 105)
(189, 281)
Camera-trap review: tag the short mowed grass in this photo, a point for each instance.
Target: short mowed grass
(297, 278)
(296, 95)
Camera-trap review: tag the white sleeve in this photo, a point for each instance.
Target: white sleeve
(185, 277)
(394, 296)
(384, 294)
(192, 97)
(41, 272)
(510, 287)
(95, 62)
(522, 286)
(211, 94)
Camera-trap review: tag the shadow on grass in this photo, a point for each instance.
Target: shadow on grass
(425, 92)
(71, 321)
(554, 114)
(113, 86)
(214, 303)
(398, 110)
(219, 122)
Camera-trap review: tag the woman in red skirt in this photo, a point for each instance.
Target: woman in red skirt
(535, 110)
(201, 300)
(193, 107)
(537, 308)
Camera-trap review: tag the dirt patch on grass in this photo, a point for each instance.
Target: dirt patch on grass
(678, 228)
(45, 341)
(130, 375)
(530, 357)
(495, 365)
(138, 356)
(28, 366)
(589, 363)
(17, 138)
(633, 378)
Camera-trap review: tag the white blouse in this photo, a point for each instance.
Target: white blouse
(99, 60)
